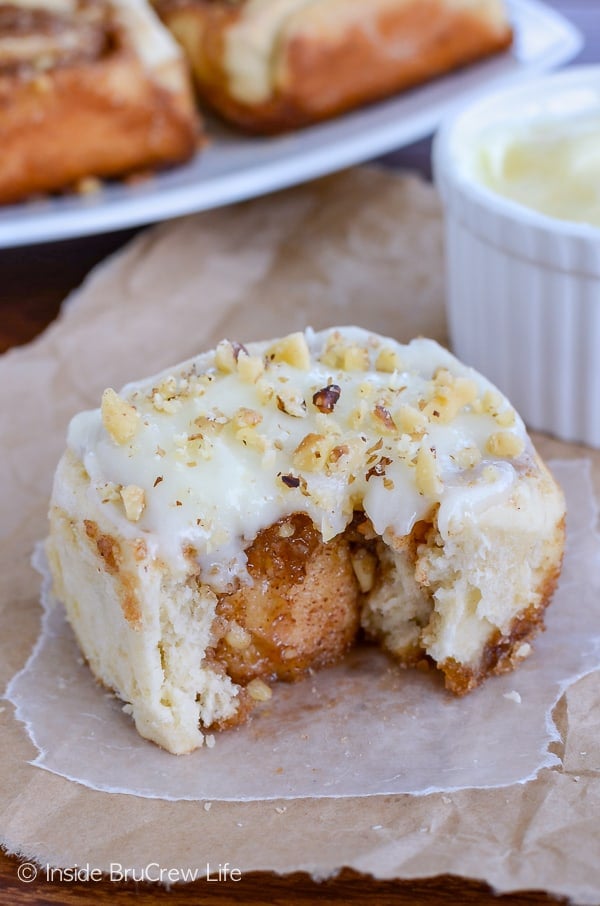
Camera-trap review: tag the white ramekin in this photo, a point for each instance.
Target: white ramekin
(523, 294)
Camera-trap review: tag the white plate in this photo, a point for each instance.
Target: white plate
(235, 167)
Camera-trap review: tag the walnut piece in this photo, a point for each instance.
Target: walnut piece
(119, 417)
(290, 402)
(311, 453)
(258, 690)
(427, 476)
(134, 501)
(292, 349)
(505, 443)
(227, 354)
(388, 360)
(326, 398)
(364, 565)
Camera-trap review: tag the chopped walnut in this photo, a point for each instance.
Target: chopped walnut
(505, 443)
(195, 445)
(246, 418)
(355, 358)
(311, 453)
(134, 501)
(210, 424)
(374, 448)
(325, 399)
(450, 395)
(292, 349)
(364, 565)
(410, 420)
(384, 420)
(226, 357)
(506, 418)
(237, 637)
(264, 391)
(290, 402)
(379, 468)
(492, 402)
(119, 417)
(388, 360)
(250, 367)
(169, 405)
(337, 453)
(338, 353)
(332, 353)
(427, 476)
(167, 387)
(258, 690)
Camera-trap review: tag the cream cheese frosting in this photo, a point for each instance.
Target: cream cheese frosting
(199, 459)
(550, 165)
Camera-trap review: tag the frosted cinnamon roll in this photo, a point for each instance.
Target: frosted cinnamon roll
(247, 515)
(271, 65)
(88, 89)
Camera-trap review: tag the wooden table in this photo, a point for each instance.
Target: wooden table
(33, 282)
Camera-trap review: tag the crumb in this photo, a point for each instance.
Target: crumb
(513, 696)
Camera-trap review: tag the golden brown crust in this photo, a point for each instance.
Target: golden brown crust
(501, 654)
(329, 77)
(109, 550)
(101, 117)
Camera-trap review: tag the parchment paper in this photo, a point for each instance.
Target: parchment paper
(363, 727)
(363, 247)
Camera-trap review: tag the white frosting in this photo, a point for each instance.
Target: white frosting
(551, 165)
(218, 495)
(153, 43)
(249, 47)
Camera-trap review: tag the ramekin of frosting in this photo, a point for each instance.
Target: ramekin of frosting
(519, 175)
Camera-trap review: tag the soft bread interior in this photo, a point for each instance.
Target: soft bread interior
(186, 659)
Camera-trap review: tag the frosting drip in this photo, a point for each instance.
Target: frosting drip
(199, 459)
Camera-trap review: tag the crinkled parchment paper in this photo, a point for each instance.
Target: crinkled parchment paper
(362, 728)
(363, 247)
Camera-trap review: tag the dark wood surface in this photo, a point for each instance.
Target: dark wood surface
(33, 282)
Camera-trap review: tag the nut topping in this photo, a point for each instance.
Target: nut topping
(119, 417)
(134, 501)
(326, 398)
